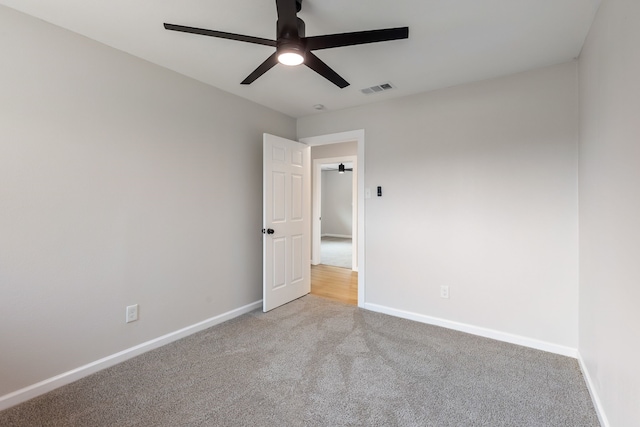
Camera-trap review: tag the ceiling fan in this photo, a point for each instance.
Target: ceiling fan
(293, 48)
(341, 169)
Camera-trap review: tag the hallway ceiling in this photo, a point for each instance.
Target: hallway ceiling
(450, 42)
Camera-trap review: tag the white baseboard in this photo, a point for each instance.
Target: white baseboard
(476, 330)
(34, 390)
(342, 236)
(595, 398)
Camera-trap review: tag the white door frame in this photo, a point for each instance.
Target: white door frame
(358, 136)
(316, 194)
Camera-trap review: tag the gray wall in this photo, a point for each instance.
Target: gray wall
(120, 183)
(610, 210)
(334, 150)
(337, 214)
(480, 193)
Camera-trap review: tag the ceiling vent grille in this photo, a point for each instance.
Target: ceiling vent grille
(377, 89)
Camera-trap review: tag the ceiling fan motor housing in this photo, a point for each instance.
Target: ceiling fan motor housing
(285, 31)
(290, 40)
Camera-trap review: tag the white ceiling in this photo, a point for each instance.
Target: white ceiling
(450, 42)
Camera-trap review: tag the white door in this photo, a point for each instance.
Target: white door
(286, 221)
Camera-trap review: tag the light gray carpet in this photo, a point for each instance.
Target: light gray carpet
(336, 251)
(314, 362)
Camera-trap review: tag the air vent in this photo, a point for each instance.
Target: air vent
(377, 89)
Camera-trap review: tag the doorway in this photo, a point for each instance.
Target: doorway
(337, 206)
(334, 211)
(335, 281)
(334, 261)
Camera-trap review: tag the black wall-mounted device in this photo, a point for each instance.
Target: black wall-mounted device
(379, 191)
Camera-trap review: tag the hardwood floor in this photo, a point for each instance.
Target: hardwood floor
(338, 284)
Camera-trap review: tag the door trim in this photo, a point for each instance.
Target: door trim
(335, 138)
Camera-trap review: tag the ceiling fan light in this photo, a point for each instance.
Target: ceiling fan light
(290, 58)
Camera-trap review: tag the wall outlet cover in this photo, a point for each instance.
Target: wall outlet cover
(132, 313)
(444, 291)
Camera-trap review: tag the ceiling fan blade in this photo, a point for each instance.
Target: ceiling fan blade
(358, 37)
(220, 34)
(324, 70)
(262, 68)
(287, 17)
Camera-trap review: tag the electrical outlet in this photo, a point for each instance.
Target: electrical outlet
(132, 313)
(444, 291)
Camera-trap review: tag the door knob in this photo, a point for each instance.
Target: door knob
(268, 231)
